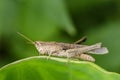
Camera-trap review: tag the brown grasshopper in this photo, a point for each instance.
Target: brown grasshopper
(75, 50)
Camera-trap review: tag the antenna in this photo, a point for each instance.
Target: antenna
(25, 37)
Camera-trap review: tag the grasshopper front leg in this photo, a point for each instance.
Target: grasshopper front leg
(49, 54)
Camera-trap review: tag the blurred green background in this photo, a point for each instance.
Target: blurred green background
(61, 21)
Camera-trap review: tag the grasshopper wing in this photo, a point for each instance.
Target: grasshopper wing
(102, 50)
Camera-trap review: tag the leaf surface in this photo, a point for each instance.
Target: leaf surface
(39, 68)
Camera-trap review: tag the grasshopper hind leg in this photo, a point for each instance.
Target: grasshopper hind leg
(83, 39)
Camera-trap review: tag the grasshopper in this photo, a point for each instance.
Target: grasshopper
(75, 50)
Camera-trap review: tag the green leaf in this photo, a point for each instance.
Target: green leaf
(39, 68)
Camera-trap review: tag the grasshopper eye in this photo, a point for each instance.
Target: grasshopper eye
(37, 43)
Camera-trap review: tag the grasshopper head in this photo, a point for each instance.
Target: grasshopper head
(40, 46)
